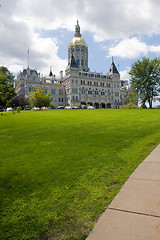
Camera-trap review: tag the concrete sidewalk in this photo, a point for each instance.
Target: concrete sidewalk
(134, 214)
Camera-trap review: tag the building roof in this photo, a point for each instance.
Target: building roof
(77, 40)
(113, 68)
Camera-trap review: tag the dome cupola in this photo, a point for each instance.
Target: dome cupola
(79, 50)
(77, 40)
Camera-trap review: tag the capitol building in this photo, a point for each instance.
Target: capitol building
(78, 86)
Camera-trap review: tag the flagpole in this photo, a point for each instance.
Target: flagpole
(28, 58)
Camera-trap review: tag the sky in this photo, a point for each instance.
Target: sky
(124, 29)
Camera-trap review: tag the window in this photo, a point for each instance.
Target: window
(60, 92)
(89, 83)
(45, 90)
(30, 89)
(52, 91)
(73, 98)
(117, 94)
(83, 91)
(96, 92)
(82, 62)
(77, 61)
(74, 90)
(82, 82)
(89, 92)
(76, 98)
(102, 93)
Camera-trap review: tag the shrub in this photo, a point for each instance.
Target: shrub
(18, 109)
(130, 106)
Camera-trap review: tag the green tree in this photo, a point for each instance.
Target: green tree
(130, 105)
(7, 89)
(145, 78)
(132, 97)
(21, 101)
(38, 98)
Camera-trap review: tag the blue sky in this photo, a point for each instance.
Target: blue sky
(124, 29)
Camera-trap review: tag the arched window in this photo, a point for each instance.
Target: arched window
(82, 62)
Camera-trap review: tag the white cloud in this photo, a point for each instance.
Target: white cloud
(105, 19)
(155, 49)
(124, 74)
(15, 39)
(119, 20)
(129, 48)
(45, 54)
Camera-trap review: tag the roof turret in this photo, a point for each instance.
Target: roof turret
(113, 68)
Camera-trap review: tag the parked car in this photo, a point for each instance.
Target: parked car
(60, 107)
(91, 107)
(44, 108)
(83, 106)
(9, 109)
(68, 107)
(36, 109)
(27, 107)
(74, 107)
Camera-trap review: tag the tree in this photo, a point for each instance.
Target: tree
(22, 101)
(129, 105)
(145, 79)
(132, 97)
(7, 89)
(38, 98)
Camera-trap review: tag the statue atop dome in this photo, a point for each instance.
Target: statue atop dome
(77, 30)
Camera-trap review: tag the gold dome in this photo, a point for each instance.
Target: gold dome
(78, 41)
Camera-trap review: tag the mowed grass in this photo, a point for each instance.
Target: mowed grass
(60, 169)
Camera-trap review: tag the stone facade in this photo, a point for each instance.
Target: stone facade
(79, 85)
(29, 78)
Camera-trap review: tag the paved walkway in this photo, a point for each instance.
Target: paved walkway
(134, 214)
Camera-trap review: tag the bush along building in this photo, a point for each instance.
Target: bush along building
(79, 86)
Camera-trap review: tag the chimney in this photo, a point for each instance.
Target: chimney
(61, 75)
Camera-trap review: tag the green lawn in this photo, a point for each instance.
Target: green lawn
(60, 169)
